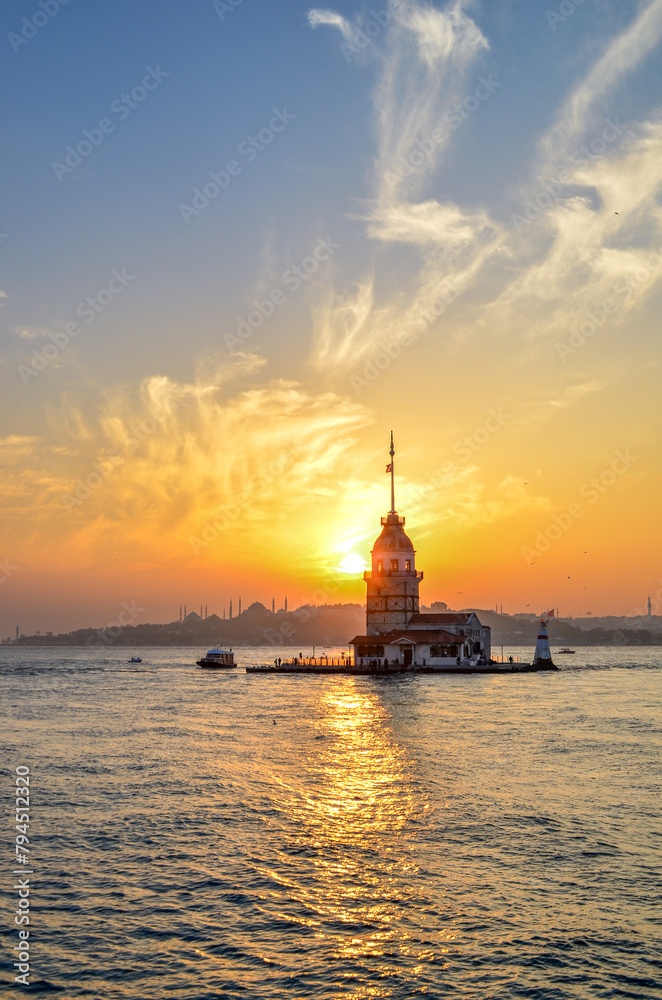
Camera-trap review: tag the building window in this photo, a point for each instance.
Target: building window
(443, 652)
(370, 650)
(380, 566)
(394, 565)
(408, 564)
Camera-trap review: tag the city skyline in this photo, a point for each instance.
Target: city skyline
(240, 244)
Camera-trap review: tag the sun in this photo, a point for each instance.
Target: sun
(353, 563)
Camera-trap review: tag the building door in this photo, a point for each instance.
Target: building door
(406, 656)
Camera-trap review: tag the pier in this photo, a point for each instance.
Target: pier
(346, 667)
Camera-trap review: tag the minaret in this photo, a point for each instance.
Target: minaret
(273, 605)
(180, 612)
(649, 607)
(230, 607)
(285, 605)
(393, 581)
(185, 611)
(239, 612)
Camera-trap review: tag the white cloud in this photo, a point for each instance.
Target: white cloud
(426, 55)
(317, 17)
(624, 54)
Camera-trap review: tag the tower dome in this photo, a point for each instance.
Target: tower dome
(393, 537)
(393, 549)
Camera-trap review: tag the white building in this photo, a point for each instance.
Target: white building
(395, 629)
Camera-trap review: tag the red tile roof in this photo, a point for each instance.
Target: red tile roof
(419, 635)
(447, 618)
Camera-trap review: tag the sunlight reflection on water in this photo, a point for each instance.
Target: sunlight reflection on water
(203, 836)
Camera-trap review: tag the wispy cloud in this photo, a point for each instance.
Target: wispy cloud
(623, 54)
(585, 248)
(317, 17)
(162, 462)
(425, 59)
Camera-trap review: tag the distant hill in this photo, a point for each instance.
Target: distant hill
(521, 630)
(328, 625)
(334, 625)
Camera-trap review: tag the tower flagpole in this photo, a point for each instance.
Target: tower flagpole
(392, 453)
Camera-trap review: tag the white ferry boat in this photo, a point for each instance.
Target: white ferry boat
(217, 659)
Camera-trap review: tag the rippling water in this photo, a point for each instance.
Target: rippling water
(200, 835)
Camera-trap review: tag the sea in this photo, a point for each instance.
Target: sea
(199, 834)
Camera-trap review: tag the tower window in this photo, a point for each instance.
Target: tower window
(407, 564)
(380, 566)
(394, 564)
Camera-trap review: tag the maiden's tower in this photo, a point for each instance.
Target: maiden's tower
(396, 631)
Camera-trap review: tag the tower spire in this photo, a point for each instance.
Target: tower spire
(391, 469)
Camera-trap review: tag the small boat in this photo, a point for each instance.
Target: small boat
(566, 650)
(217, 659)
(134, 659)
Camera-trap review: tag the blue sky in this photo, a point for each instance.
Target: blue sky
(404, 235)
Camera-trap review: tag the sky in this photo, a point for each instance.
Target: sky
(241, 242)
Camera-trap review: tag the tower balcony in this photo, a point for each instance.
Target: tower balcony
(394, 574)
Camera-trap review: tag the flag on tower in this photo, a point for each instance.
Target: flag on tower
(550, 614)
(389, 468)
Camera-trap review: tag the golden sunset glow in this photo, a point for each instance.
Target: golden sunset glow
(201, 439)
(353, 563)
